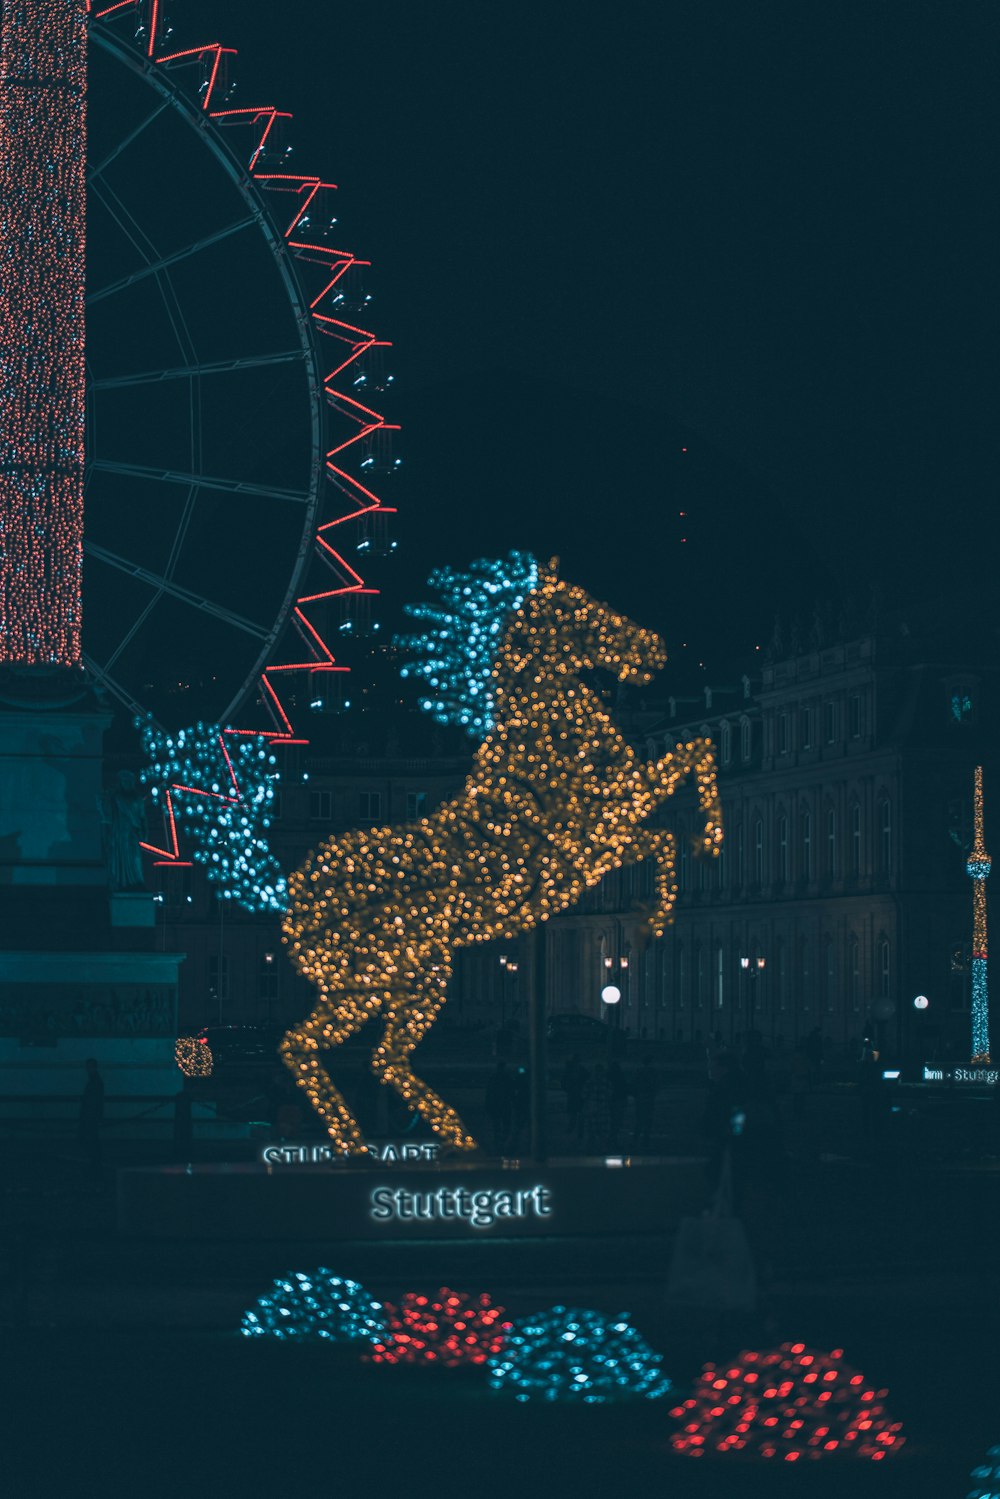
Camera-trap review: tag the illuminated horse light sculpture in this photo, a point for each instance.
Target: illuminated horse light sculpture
(555, 799)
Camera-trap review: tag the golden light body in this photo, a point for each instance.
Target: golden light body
(555, 799)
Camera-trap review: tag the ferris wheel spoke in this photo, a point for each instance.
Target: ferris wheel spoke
(192, 371)
(175, 591)
(100, 167)
(166, 261)
(136, 710)
(200, 481)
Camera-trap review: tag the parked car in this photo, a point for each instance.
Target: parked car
(241, 1045)
(577, 1032)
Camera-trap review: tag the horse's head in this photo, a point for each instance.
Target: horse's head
(501, 623)
(560, 629)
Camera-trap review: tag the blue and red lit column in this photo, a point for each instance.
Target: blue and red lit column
(978, 868)
(43, 150)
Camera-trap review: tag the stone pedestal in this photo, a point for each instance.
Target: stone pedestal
(78, 973)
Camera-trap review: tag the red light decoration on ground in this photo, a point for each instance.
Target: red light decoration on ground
(43, 150)
(449, 1330)
(790, 1403)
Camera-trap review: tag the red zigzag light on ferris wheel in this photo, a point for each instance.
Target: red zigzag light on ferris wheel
(263, 121)
(355, 342)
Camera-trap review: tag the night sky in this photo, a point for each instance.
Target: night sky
(643, 259)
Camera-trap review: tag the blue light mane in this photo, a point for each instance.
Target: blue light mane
(455, 651)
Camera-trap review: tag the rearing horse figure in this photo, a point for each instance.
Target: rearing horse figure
(554, 800)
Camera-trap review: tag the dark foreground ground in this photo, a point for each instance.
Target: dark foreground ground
(123, 1372)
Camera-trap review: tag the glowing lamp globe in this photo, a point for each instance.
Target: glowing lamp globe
(921, 1002)
(611, 994)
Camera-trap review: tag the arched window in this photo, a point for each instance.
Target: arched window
(726, 741)
(855, 815)
(884, 836)
(684, 855)
(746, 738)
(758, 850)
(720, 992)
(831, 842)
(882, 957)
(782, 847)
(854, 973)
(805, 826)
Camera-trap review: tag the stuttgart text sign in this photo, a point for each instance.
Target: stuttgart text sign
(386, 1152)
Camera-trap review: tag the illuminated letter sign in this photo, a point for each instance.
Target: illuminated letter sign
(479, 1209)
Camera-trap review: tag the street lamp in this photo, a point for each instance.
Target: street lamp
(753, 969)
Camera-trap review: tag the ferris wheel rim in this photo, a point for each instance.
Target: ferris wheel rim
(171, 96)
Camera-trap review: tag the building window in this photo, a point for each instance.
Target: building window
(719, 978)
(746, 739)
(682, 864)
(726, 742)
(885, 835)
(854, 967)
(883, 967)
(782, 733)
(321, 806)
(416, 805)
(805, 728)
(854, 715)
(758, 850)
(780, 975)
(831, 842)
(856, 839)
(738, 873)
(829, 975)
(699, 975)
(682, 975)
(218, 977)
(782, 848)
(830, 722)
(805, 974)
(806, 824)
(371, 805)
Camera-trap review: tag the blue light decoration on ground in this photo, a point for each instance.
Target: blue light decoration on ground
(219, 786)
(977, 868)
(581, 1356)
(455, 651)
(316, 1305)
(987, 1477)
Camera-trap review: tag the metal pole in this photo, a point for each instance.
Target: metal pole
(536, 1039)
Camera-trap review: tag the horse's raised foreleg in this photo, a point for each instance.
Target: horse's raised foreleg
(408, 1019)
(698, 759)
(661, 845)
(300, 1051)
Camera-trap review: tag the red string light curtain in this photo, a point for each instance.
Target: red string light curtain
(43, 148)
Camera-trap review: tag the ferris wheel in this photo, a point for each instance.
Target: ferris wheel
(236, 457)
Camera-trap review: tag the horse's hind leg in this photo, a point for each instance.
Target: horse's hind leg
(408, 1019)
(300, 1051)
